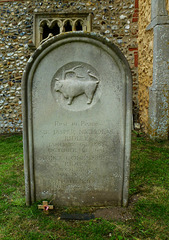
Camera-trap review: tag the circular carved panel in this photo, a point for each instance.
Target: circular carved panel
(76, 86)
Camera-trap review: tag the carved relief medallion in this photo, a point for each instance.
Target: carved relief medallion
(75, 86)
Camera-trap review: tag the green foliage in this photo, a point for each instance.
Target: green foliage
(149, 182)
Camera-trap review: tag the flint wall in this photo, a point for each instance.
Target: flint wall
(114, 19)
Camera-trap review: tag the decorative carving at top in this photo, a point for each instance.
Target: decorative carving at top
(76, 86)
(72, 86)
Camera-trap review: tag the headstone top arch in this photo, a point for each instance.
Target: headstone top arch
(76, 93)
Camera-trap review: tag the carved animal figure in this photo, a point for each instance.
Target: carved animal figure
(71, 88)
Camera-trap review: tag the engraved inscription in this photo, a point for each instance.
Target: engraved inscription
(73, 84)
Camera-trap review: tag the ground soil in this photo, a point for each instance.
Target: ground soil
(117, 213)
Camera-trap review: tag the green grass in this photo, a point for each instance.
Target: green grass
(149, 182)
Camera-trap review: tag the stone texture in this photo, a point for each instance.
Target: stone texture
(77, 95)
(158, 8)
(159, 91)
(116, 20)
(158, 125)
(153, 67)
(145, 67)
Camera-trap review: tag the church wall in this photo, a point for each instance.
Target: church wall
(114, 19)
(145, 66)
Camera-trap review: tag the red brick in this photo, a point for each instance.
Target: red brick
(135, 15)
(135, 20)
(133, 49)
(136, 3)
(136, 59)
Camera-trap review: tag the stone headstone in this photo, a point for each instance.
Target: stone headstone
(77, 122)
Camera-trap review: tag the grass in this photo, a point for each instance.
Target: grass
(149, 183)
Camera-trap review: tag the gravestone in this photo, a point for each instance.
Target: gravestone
(77, 122)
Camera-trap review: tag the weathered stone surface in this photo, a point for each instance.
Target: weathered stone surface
(77, 122)
(159, 91)
(158, 8)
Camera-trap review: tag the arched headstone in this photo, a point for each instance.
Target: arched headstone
(77, 122)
